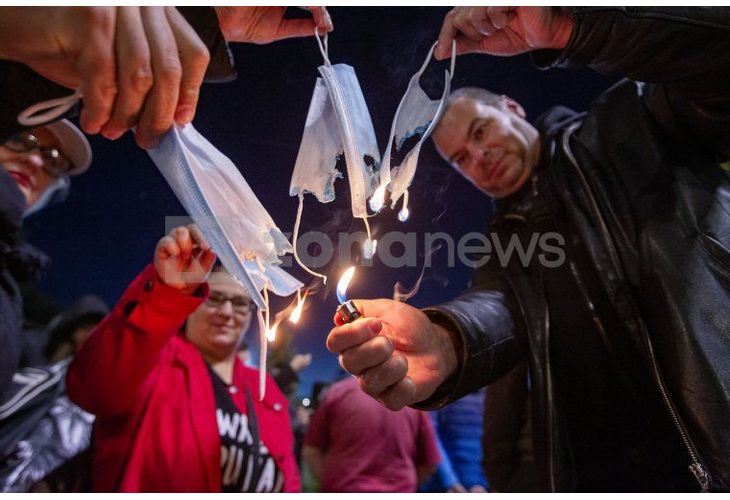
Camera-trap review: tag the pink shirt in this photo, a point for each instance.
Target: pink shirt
(368, 448)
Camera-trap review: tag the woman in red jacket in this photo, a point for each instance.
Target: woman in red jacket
(175, 408)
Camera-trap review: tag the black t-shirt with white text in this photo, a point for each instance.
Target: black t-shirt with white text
(242, 469)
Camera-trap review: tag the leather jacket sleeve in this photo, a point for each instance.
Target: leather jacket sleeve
(488, 343)
(681, 53)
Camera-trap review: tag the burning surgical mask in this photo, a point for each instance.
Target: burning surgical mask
(338, 123)
(220, 201)
(230, 216)
(415, 119)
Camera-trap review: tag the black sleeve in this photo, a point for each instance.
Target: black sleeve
(488, 334)
(205, 23)
(683, 53)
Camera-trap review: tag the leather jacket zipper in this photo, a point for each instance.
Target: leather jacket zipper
(549, 409)
(696, 467)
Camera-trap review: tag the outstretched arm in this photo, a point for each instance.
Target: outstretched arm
(109, 372)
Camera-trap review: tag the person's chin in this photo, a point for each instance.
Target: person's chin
(224, 345)
(224, 336)
(508, 183)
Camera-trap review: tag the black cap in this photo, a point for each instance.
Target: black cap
(60, 329)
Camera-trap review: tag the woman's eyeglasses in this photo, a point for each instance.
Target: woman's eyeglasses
(55, 163)
(240, 304)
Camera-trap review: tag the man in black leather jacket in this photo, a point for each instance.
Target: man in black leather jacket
(627, 338)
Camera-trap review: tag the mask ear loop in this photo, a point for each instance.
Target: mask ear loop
(428, 59)
(452, 65)
(47, 111)
(300, 208)
(324, 49)
(263, 343)
(453, 59)
(262, 350)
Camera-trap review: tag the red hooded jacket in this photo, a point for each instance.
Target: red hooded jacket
(156, 428)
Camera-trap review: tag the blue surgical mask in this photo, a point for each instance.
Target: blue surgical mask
(220, 201)
(416, 116)
(230, 216)
(338, 123)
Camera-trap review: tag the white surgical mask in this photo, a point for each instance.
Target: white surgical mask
(230, 216)
(220, 201)
(417, 115)
(338, 122)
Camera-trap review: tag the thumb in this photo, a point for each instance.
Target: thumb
(466, 45)
(207, 259)
(376, 308)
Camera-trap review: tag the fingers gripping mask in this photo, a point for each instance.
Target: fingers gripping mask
(415, 119)
(230, 216)
(338, 123)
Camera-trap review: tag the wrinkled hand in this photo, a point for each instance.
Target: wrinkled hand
(503, 31)
(138, 66)
(398, 355)
(183, 259)
(267, 24)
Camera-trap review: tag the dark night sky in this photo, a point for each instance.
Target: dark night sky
(105, 232)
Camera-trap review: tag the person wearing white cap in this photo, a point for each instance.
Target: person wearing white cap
(35, 167)
(42, 159)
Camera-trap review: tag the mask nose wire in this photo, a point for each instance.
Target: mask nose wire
(47, 111)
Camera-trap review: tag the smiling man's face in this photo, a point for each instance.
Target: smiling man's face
(494, 147)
